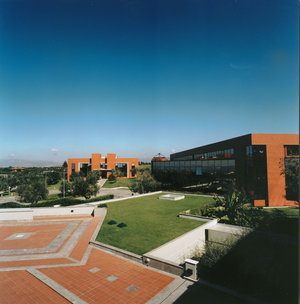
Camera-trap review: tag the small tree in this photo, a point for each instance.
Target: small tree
(87, 187)
(33, 191)
(145, 183)
(67, 187)
(291, 171)
(133, 171)
(53, 177)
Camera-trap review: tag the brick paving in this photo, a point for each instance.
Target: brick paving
(110, 284)
(41, 236)
(21, 287)
(96, 277)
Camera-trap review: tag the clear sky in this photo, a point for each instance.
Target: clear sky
(139, 77)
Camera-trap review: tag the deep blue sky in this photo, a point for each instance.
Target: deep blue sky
(140, 77)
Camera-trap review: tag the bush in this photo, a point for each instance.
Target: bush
(121, 225)
(112, 222)
(33, 191)
(145, 183)
(11, 205)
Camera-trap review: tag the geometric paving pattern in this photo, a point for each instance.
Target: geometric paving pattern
(50, 261)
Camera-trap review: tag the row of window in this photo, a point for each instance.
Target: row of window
(220, 154)
(203, 166)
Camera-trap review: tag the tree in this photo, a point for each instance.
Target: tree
(3, 184)
(53, 177)
(133, 171)
(85, 187)
(290, 168)
(33, 191)
(145, 183)
(67, 187)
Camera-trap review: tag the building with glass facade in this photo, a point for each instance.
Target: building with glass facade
(256, 161)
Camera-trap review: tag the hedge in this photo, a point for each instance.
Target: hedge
(61, 201)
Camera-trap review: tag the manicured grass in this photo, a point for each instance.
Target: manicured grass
(54, 187)
(151, 222)
(124, 182)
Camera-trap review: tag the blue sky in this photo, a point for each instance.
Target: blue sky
(141, 77)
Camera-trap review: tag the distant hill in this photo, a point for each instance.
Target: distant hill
(27, 163)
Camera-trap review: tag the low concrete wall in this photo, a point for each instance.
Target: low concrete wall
(163, 265)
(118, 251)
(62, 211)
(16, 214)
(177, 250)
(226, 234)
(196, 217)
(21, 214)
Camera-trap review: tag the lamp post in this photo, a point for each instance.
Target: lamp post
(64, 185)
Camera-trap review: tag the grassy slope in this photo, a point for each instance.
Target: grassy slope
(150, 221)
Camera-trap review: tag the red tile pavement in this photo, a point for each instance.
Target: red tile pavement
(41, 237)
(21, 287)
(39, 262)
(94, 288)
(83, 243)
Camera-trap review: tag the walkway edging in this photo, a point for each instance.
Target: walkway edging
(56, 287)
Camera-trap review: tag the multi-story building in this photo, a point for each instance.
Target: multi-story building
(256, 161)
(103, 164)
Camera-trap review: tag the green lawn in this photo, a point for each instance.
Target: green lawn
(124, 182)
(289, 212)
(54, 187)
(151, 222)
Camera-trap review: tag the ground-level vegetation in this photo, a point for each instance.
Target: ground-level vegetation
(260, 265)
(55, 199)
(150, 222)
(122, 182)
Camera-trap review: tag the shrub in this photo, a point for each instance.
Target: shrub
(112, 222)
(121, 225)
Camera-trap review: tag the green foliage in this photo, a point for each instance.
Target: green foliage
(291, 172)
(112, 222)
(145, 183)
(268, 267)
(33, 191)
(121, 225)
(133, 171)
(3, 184)
(11, 205)
(67, 186)
(53, 177)
(87, 187)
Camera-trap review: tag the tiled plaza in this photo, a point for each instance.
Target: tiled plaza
(49, 260)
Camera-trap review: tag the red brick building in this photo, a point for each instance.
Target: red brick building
(103, 164)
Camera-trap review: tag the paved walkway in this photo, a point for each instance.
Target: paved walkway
(49, 260)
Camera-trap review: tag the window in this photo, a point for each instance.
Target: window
(292, 150)
(73, 168)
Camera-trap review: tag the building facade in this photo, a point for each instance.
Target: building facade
(103, 164)
(256, 161)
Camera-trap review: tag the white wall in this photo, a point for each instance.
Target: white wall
(16, 214)
(20, 214)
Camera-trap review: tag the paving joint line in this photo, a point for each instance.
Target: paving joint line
(68, 295)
